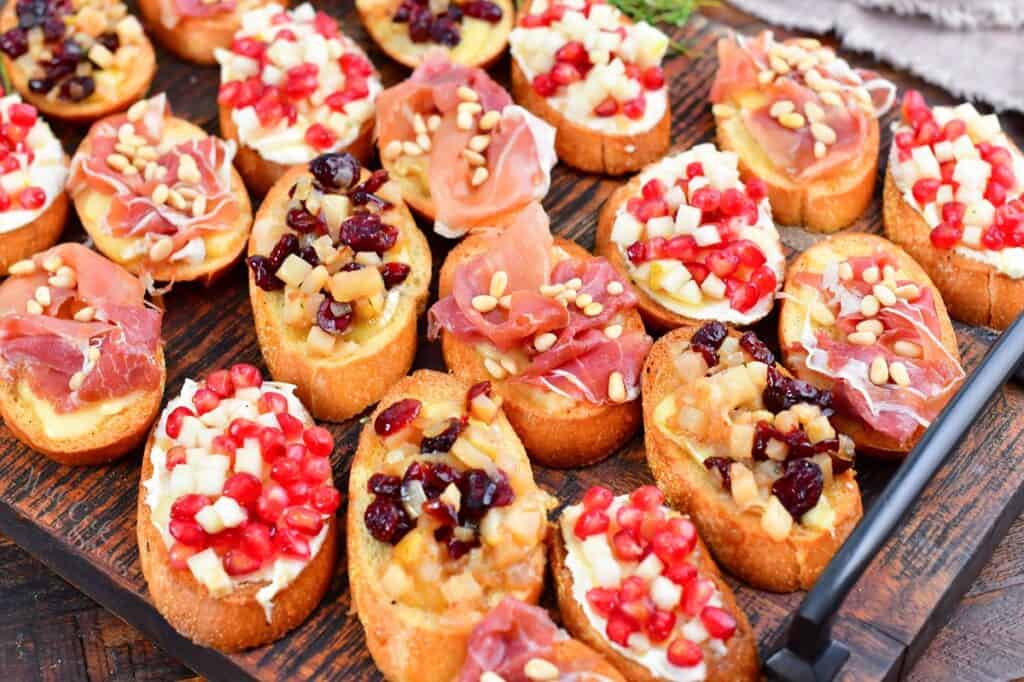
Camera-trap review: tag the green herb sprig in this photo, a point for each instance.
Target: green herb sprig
(672, 12)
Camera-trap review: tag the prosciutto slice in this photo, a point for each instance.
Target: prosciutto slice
(579, 363)
(504, 641)
(173, 11)
(48, 349)
(518, 159)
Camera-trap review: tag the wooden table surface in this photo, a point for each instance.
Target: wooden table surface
(50, 631)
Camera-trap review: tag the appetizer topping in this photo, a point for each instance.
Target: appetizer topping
(875, 332)
(966, 179)
(634, 566)
(173, 11)
(166, 197)
(700, 241)
(32, 166)
(462, 514)
(76, 328)
(296, 85)
(593, 64)
(455, 132)
(808, 109)
(339, 266)
(763, 435)
(439, 21)
(241, 490)
(544, 318)
(74, 50)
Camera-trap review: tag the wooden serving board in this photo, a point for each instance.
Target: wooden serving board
(81, 522)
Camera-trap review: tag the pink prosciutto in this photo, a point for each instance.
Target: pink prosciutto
(48, 349)
(518, 173)
(583, 357)
(173, 11)
(133, 213)
(893, 410)
(504, 641)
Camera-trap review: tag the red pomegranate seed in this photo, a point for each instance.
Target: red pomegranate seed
(325, 25)
(22, 114)
(603, 599)
(635, 108)
(15, 134)
(684, 529)
(296, 452)
(993, 239)
(928, 133)
(290, 424)
(764, 281)
(698, 271)
(220, 383)
(904, 139)
(188, 533)
(249, 47)
(653, 78)
(303, 519)
(272, 502)
(32, 198)
(757, 189)
(670, 548)
(564, 73)
(245, 376)
(272, 444)
(244, 487)
(660, 625)
(319, 440)
(320, 137)
(272, 402)
(945, 235)
(285, 470)
(1002, 173)
(749, 253)
(316, 469)
(694, 169)
(633, 588)
(237, 562)
(637, 253)
(5, 198)
(696, 594)
(299, 491)
(707, 199)
(325, 499)
(174, 419)
(205, 400)
(608, 107)
(733, 202)
(290, 543)
(630, 518)
(175, 456)
(647, 497)
(396, 417)
(533, 21)
(241, 429)
(684, 653)
(682, 247)
(723, 262)
(925, 189)
(995, 193)
(544, 85)
(592, 522)
(913, 105)
(353, 64)
(654, 522)
(620, 627)
(653, 189)
(953, 212)
(598, 497)
(229, 93)
(286, 34)
(626, 546)
(681, 574)
(719, 623)
(743, 297)
(256, 540)
(998, 156)
(572, 52)
(954, 129)
(186, 507)
(179, 554)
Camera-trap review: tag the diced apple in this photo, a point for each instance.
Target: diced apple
(210, 520)
(665, 594)
(776, 520)
(249, 460)
(707, 235)
(687, 219)
(627, 229)
(293, 271)
(319, 342)
(983, 128)
(183, 480)
(351, 285)
(650, 568)
(662, 226)
(231, 513)
(210, 480)
(209, 571)
(927, 164)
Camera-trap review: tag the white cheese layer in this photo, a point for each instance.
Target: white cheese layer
(48, 170)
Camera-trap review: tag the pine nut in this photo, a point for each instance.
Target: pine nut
(723, 111)
(831, 99)
(544, 341)
(616, 387)
(505, 301)
(76, 381)
(862, 338)
(551, 289)
(411, 148)
(872, 326)
(823, 133)
(869, 306)
(593, 309)
(792, 120)
(909, 292)
(118, 162)
(471, 108)
(879, 372)
(899, 374)
(22, 267)
(467, 94)
(64, 278)
(484, 303)
(479, 176)
(884, 294)
(478, 143)
(574, 283)
(161, 250)
(540, 670)
(393, 150)
(32, 307)
(499, 281)
(175, 199)
(615, 288)
(509, 366)
(424, 142)
(160, 194)
(86, 314)
(583, 300)
(813, 112)
(613, 331)
(845, 271)
(870, 275)
(779, 65)
(488, 120)
(199, 206)
(783, 106)
(822, 315)
(42, 296)
(474, 158)
(765, 77)
(494, 369)
(490, 676)
(418, 124)
(907, 349)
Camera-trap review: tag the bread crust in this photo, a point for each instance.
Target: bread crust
(207, 271)
(825, 204)
(974, 292)
(739, 664)
(736, 539)
(136, 84)
(236, 621)
(120, 434)
(194, 38)
(260, 174)
(589, 150)
(335, 389)
(790, 321)
(376, 16)
(570, 437)
(407, 644)
(38, 235)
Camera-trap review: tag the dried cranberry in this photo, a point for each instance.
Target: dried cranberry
(840, 462)
(336, 170)
(443, 441)
(397, 416)
(382, 484)
(14, 43)
(782, 393)
(482, 9)
(394, 273)
(77, 88)
(109, 40)
(480, 493)
(799, 489)
(308, 254)
(262, 274)
(40, 85)
(31, 13)
(286, 246)
(756, 348)
(708, 339)
(456, 548)
(403, 13)
(444, 31)
(301, 220)
(334, 317)
(386, 520)
(437, 477)
(419, 26)
(366, 232)
(482, 388)
(454, 12)
(441, 512)
(721, 465)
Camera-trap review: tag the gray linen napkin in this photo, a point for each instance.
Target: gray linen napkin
(927, 37)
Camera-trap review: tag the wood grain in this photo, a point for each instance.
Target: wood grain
(80, 522)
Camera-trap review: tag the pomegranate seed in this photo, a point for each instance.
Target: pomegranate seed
(993, 239)
(603, 599)
(320, 137)
(743, 297)
(325, 499)
(396, 417)
(698, 271)
(954, 129)
(288, 35)
(998, 156)
(272, 502)
(633, 588)
(682, 247)
(229, 93)
(764, 281)
(544, 85)
(670, 548)
(904, 140)
(748, 253)
(303, 519)
(636, 252)
(272, 444)
(205, 400)
(572, 52)
(296, 452)
(175, 456)
(241, 429)
(925, 189)
(995, 193)
(626, 546)
(945, 235)
(244, 487)
(660, 625)
(256, 540)
(635, 108)
(353, 64)
(630, 518)
(653, 78)
(319, 440)
(325, 25)
(620, 627)
(22, 114)
(681, 574)
(249, 47)
(694, 169)
(913, 104)
(757, 189)
(5, 198)
(188, 533)
(696, 594)
(946, 170)
(719, 623)
(32, 198)
(733, 202)
(290, 424)
(608, 107)
(245, 376)
(1002, 173)
(684, 653)
(928, 133)
(647, 497)
(654, 522)
(653, 189)
(290, 543)
(285, 470)
(564, 73)
(597, 497)
(592, 522)
(15, 134)
(179, 555)
(272, 402)
(237, 562)
(299, 491)
(684, 529)
(220, 383)
(316, 469)
(533, 21)
(953, 212)
(723, 262)
(174, 419)
(707, 199)
(186, 507)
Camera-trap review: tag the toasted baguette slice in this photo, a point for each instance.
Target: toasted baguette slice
(737, 664)
(481, 42)
(133, 87)
(195, 38)
(223, 247)
(737, 539)
(556, 432)
(974, 292)
(409, 642)
(38, 235)
(93, 437)
(342, 385)
(837, 249)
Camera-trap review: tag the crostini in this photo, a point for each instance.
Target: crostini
(696, 241)
(635, 582)
(584, 67)
(464, 156)
(33, 172)
(444, 521)
(292, 86)
(860, 318)
(518, 642)
(750, 453)
(338, 274)
(193, 29)
(236, 527)
(954, 199)
(554, 329)
(76, 61)
(80, 356)
(803, 120)
(471, 32)
(159, 196)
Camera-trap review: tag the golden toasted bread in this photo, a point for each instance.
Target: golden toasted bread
(38, 235)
